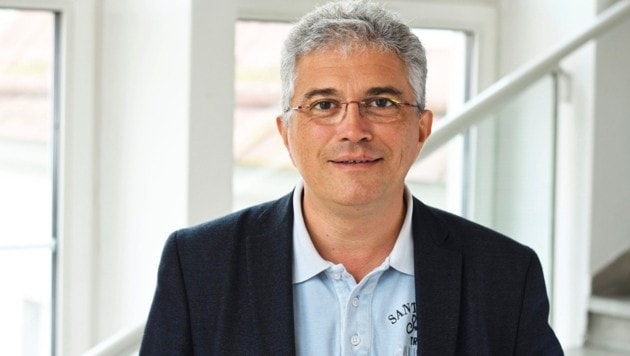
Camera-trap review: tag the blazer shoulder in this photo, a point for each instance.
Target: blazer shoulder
(252, 220)
(471, 238)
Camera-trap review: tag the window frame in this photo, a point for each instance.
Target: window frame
(51, 246)
(75, 168)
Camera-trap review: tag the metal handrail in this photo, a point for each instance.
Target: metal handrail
(473, 112)
(124, 342)
(481, 106)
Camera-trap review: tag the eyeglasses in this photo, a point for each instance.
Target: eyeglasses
(377, 109)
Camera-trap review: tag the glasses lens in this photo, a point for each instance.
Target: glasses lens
(325, 109)
(330, 111)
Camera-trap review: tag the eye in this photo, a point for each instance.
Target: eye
(381, 103)
(324, 105)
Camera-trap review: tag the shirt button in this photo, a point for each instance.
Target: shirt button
(355, 302)
(336, 275)
(355, 340)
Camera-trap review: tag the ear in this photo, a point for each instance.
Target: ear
(283, 130)
(426, 122)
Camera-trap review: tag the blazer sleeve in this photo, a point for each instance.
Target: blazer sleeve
(535, 336)
(168, 327)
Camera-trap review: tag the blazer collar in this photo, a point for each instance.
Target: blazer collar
(438, 272)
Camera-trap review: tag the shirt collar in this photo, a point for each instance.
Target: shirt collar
(401, 257)
(307, 262)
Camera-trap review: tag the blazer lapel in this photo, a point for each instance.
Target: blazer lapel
(269, 265)
(438, 284)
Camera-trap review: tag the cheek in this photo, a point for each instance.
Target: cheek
(306, 141)
(299, 146)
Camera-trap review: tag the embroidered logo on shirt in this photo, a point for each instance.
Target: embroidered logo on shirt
(400, 313)
(406, 313)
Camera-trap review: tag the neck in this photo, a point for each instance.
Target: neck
(360, 238)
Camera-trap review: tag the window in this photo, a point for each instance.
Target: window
(438, 179)
(263, 170)
(27, 150)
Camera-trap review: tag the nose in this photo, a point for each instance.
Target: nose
(354, 126)
(359, 107)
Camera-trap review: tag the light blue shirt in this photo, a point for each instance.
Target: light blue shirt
(336, 316)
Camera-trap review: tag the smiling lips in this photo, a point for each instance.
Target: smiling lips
(354, 161)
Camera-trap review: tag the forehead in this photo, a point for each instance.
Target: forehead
(350, 72)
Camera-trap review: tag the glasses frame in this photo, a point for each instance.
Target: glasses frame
(362, 104)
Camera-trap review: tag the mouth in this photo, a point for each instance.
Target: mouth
(355, 161)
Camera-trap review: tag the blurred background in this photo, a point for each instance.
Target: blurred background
(121, 121)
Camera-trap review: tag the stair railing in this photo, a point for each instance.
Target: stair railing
(479, 107)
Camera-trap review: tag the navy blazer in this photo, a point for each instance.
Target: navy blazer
(225, 288)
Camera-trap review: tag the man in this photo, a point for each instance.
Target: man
(349, 263)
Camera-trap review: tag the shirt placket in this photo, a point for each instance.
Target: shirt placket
(355, 306)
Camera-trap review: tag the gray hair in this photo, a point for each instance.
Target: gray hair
(347, 25)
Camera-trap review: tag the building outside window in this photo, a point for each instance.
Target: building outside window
(27, 150)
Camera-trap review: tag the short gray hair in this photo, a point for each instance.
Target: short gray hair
(349, 25)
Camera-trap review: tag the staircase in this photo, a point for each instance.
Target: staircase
(609, 323)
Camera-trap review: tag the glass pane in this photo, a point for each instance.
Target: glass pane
(25, 303)
(524, 181)
(263, 170)
(26, 122)
(437, 179)
(26, 59)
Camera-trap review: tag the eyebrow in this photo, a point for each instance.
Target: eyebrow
(384, 90)
(321, 92)
(371, 92)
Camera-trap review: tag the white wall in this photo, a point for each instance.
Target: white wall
(164, 155)
(142, 155)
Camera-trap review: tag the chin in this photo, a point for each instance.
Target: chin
(357, 198)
